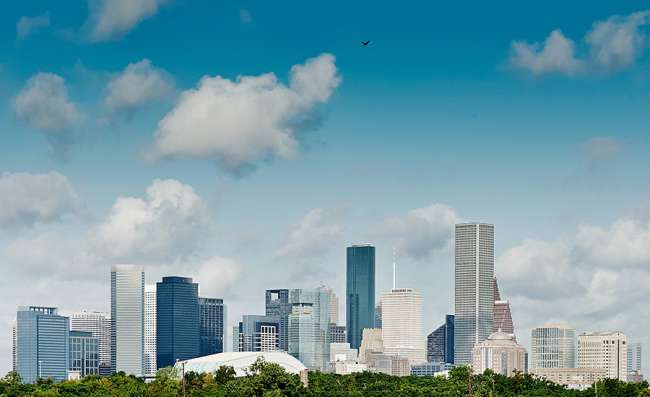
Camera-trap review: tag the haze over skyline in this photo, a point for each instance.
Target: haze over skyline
(131, 134)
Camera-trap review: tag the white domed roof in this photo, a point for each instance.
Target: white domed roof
(501, 336)
(240, 361)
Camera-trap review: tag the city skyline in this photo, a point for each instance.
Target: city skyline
(447, 116)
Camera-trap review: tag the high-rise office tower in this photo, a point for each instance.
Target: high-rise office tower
(501, 313)
(127, 319)
(334, 304)
(278, 305)
(212, 318)
(440, 343)
(377, 316)
(13, 347)
(258, 334)
(552, 346)
(474, 295)
(401, 314)
(634, 358)
(99, 326)
(150, 330)
(605, 350)
(84, 354)
(177, 320)
(42, 344)
(308, 327)
(360, 292)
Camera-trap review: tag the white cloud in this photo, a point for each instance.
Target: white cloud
(44, 105)
(217, 276)
(171, 222)
(28, 25)
(617, 42)
(555, 55)
(313, 236)
(110, 19)
(139, 84)
(626, 243)
(422, 231)
(27, 199)
(238, 123)
(601, 148)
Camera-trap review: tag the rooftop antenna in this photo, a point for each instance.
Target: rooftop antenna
(394, 264)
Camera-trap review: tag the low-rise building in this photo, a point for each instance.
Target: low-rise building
(500, 353)
(574, 378)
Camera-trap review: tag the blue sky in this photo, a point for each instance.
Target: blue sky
(440, 113)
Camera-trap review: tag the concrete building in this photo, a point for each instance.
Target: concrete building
(501, 312)
(127, 319)
(553, 346)
(574, 378)
(500, 353)
(278, 305)
(605, 350)
(389, 364)
(83, 356)
(360, 291)
(440, 342)
(402, 325)
(474, 295)
(99, 325)
(212, 319)
(343, 352)
(333, 304)
(42, 344)
(371, 342)
(150, 330)
(308, 327)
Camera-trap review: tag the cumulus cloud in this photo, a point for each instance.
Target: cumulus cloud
(312, 236)
(617, 41)
(27, 199)
(109, 19)
(238, 123)
(170, 222)
(601, 149)
(217, 275)
(422, 231)
(555, 55)
(137, 85)
(44, 104)
(28, 25)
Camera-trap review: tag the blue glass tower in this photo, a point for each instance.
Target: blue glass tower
(177, 320)
(360, 292)
(278, 305)
(212, 325)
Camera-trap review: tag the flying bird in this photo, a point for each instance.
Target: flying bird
(365, 43)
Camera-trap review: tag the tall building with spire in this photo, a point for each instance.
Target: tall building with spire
(474, 294)
(502, 315)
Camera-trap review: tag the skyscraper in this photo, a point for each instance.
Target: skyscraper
(360, 292)
(212, 318)
(333, 304)
(402, 324)
(474, 295)
(440, 343)
(552, 346)
(84, 354)
(258, 334)
(501, 313)
(99, 326)
(177, 320)
(42, 344)
(605, 350)
(150, 330)
(308, 327)
(127, 319)
(634, 358)
(278, 305)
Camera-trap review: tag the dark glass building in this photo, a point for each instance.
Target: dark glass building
(440, 343)
(360, 292)
(177, 320)
(211, 316)
(277, 305)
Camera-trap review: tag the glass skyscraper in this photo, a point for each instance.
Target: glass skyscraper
(42, 338)
(127, 319)
(258, 333)
(308, 327)
(99, 325)
(84, 354)
(360, 292)
(150, 330)
(474, 294)
(177, 320)
(440, 343)
(212, 318)
(277, 305)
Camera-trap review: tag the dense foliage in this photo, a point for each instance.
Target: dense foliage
(270, 380)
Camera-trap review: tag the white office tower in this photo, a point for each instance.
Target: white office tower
(333, 304)
(552, 346)
(127, 319)
(402, 325)
(150, 330)
(606, 350)
(474, 290)
(99, 325)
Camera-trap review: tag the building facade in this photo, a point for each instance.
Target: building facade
(177, 320)
(360, 291)
(278, 305)
(127, 319)
(552, 346)
(501, 312)
(333, 304)
(371, 342)
(474, 295)
(42, 344)
(150, 330)
(212, 316)
(336, 334)
(605, 350)
(440, 342)
(84, 354)
(402, 325)
(99, 326)
(308, 327)
(634, 363)
(258, 334)
(574, 378)
(500, 353)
